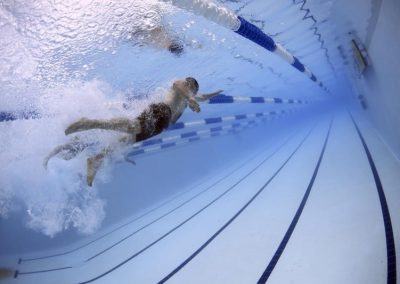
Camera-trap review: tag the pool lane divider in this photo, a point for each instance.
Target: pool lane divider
(271, 265)
(223, 99)
(390, 244)
(227, 18)
(184, 263)
(221, 119)
(157, 144)
(153, 141)
(18, 115)
(198, 135)
(17, 273)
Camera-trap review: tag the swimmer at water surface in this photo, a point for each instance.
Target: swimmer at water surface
(159, 37)
(152, 121)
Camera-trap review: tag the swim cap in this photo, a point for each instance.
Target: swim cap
(193, 83)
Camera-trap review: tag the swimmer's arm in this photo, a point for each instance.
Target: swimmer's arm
(204, 97)
(181, 89)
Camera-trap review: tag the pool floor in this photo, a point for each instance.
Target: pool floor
(307, 209)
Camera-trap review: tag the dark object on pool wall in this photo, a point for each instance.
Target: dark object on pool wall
(360, 55)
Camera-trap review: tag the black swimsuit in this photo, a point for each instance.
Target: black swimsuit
(153, 120)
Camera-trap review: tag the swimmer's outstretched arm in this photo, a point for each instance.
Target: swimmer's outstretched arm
(180, 88)
(204, 97)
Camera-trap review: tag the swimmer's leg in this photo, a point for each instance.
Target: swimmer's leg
(72, 150)
(94, 163)
(131, 126)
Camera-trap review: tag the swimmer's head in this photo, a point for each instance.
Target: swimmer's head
(193, 85)
(176, 48)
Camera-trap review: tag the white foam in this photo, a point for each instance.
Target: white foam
(57, 199)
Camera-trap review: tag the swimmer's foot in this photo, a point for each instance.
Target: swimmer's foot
(80, 125)
(93, 165)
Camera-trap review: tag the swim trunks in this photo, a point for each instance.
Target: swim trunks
(153, 120)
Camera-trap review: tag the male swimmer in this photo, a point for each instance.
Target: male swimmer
(152, 121)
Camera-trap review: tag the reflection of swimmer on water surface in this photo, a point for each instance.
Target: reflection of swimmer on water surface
(152, 121)
(159, 37)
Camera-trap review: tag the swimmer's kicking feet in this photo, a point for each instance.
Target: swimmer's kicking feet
(152, 121)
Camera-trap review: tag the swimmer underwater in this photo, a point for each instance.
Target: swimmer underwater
(152, 121)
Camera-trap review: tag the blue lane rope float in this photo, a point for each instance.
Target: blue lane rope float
(227, 18)
(18, 115)
(195, 138)
(154, 144)
(223, 99)
(190, 134)
(221, 119)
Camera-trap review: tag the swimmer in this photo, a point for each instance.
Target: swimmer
(152, 121)
(160, 37)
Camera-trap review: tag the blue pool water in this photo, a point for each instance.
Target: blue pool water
(277, 180)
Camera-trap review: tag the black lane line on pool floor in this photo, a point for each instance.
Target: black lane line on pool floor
(191, 217)
(390, 246)
(21, 260)
(179, 206)
(177, 269)
(271, 265)
(18, 273)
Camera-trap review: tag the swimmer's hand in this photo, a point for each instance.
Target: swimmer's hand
(204, 97)
(194, 106)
